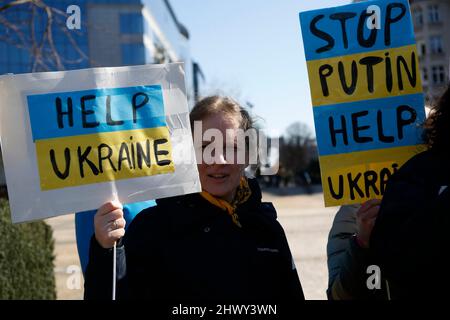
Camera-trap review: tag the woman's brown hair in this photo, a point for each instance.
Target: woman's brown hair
(437, 126)
(224, 105)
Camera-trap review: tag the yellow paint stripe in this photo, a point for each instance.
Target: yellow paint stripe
(101, 144)
(337, 93)
(351, 165)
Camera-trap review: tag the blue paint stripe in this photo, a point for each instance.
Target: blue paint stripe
(388, 108)
(44, 116)
(402, 32)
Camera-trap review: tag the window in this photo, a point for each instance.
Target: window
(438, 75)
(433, 13)
(424, 74)
(133, 53)
(131, 23)
(436, 44)
(418, 17)
(422, 48)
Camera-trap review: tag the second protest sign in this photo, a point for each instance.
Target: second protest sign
(366, 94)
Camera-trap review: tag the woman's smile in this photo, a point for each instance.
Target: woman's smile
(218, 177)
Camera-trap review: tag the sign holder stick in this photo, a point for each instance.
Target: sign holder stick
(114, 272)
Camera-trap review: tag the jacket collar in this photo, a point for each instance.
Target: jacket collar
(195, 199)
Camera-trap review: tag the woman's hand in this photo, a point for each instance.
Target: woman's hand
(109, 224)
(365, 220)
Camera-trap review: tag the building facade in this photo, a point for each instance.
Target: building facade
(112, 33)
(431, 20)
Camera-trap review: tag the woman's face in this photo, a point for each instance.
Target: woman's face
(222, 177)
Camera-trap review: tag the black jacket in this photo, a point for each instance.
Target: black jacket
(186, 249)
(410, 239)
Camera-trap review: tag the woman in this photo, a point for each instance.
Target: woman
(410, 237)
(221, 244)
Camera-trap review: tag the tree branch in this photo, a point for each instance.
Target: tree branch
(14, 3)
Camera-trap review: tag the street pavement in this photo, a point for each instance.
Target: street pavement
(306, 223)
(305, 220)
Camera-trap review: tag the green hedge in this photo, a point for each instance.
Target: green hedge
(26, 259)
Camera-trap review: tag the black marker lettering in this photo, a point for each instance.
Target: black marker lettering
(334, 131)
(381, 136)
(353, 185)
(412, 74)
(82, 157)
(124, 154)
(370, 180)
(389, 79)
(369, 62)
(321, 34)
(343, 17)
(106, 157)
(60, 113)
(324, 72)
(401, 122)
(370, 41)
(85, 113)
(340, 194)
(160, 152)
(140, 105)
(109, 119)
(354, 75)
(65, 174)
(391, 20)
(357, 128)
(141, 156)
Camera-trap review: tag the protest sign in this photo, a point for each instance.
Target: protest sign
(366, 94)
(73, 140)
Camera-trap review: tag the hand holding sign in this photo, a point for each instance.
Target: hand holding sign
(109, 224)
(365, 221)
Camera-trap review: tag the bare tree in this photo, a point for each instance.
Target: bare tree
(295, 151)
(298, 133)
(44, 54)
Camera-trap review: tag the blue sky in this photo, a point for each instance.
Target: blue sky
(253, 49)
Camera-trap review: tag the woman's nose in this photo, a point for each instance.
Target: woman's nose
(221, 158)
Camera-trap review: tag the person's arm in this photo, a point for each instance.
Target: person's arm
(348, 253)
(99, 273)
(140, 270)
(350, 282)
(342, 229)
(109, 226)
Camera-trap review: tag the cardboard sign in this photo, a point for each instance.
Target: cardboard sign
(74, 140)
(366, 93)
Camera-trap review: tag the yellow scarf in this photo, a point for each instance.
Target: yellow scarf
(243, 192)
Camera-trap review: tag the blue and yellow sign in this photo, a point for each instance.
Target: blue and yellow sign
(366, 93)
(99, 135)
